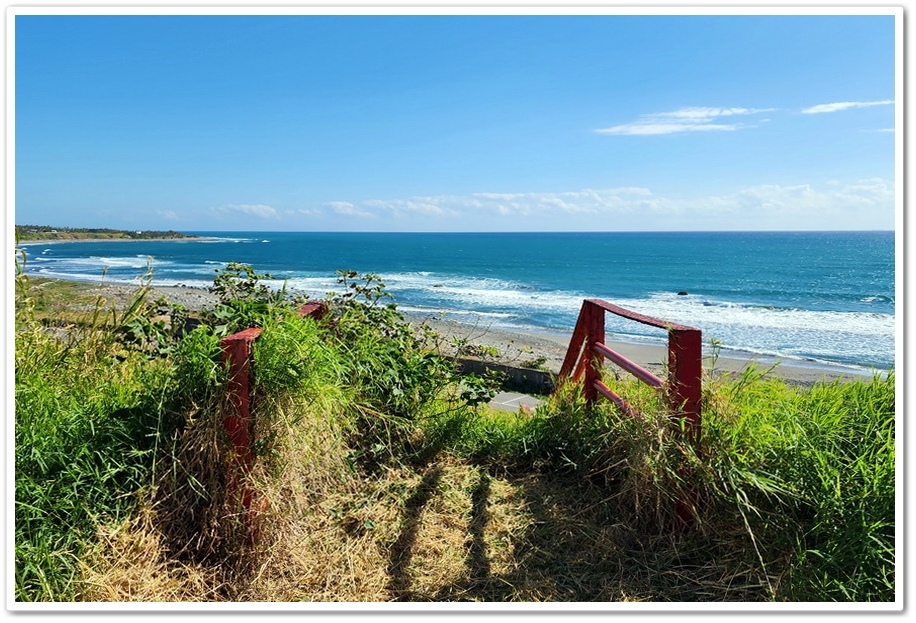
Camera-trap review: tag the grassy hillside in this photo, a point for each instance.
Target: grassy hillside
(381, 474)
(27, 233)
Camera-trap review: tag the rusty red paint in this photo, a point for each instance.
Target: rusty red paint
(684, 384)
(315, 309)
(237, 420)
(685, 363)
(594, 329)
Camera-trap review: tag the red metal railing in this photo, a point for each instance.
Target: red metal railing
(587, 350)
(237, 417)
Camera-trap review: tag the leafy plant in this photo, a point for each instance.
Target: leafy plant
(388, 359)
(535, 364)
(244, 299)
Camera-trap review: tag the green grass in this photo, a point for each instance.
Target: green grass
(801, 480)
(359, 427)
(87, 426)
(96, 415)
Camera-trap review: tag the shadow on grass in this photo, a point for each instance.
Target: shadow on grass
(402, 550)
(582, 546)
(477, 562)
(574, 546)
(481, 584)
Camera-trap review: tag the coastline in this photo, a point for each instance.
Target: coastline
(516, 346)
(28, 243)
(853, 327)
(521, 348)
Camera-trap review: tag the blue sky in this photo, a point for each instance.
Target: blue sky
(455, 123)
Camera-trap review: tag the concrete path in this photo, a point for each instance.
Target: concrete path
(511, 401)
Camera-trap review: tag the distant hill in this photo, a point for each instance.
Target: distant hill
(25, 233)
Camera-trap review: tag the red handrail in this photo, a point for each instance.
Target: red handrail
(684, 383)
(636, 370)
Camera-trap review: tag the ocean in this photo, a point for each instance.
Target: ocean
(818, 297)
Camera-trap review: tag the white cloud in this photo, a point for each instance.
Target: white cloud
(865, 204)
(834, 205)
(168, 214)
(837, 106)
(307, 212)
(345, 208)
(415, 205)
(259, 210)
(691, 119)
(586, 201)
(455, 207)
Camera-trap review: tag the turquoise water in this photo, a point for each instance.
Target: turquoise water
(816, 296)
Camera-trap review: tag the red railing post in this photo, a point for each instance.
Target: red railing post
(315, 309)
(685, 362)
(594, 333)
(237, 422)
(237, 355)
(237, 417)
(685, 365)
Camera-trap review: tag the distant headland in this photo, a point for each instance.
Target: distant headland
(26, 233)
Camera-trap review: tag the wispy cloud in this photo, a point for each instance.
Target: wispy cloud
(259, 210)
(692, 119)
(803, 198)
(307, 212)
(435, 206)
(838, 106)
(836, 205)
(397, 208)
(504, 204)
(345, 208)
(168, 214)
(587, 201)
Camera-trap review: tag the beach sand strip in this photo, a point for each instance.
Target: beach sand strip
(542, 349)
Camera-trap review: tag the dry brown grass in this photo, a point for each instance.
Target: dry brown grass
(129, 565)
(444, 530)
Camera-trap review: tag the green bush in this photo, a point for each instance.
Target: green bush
(244, 300)
(397, 379)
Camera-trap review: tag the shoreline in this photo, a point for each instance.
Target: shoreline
(516, 346)
(530, 348)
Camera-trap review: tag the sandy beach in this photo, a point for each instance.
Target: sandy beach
(517, 347)
(522, 348)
